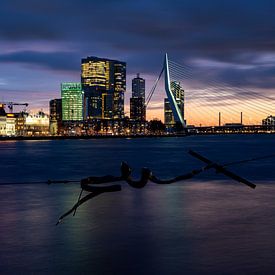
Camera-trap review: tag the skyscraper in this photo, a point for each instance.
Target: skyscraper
(138, 87)
(178, 94)
(137, 108)
(137, 102)
(168, 114)
(104, 84)
(72, 101)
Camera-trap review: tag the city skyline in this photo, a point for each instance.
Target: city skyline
(39, 50)
(137, 137)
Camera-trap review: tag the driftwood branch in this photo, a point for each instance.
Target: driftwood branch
(88, 184)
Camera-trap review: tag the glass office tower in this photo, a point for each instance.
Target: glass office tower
(178, 94)
(104, 84)
(72, 101)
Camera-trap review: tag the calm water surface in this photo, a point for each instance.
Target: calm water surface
(209, 225)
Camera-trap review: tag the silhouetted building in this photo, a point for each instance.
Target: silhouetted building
(2, 110)
(168, 114)
(137, 102)
(137, 108)
(104, 84)
(55, 116)
(269, 121)
(72, 101)
(138, 87)
(233, 124)
(3, 120)
(107, 105)
(178, 94)
(20, 123)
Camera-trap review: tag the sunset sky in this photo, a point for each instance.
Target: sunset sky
(231, 42)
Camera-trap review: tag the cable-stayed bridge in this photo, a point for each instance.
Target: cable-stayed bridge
(211, 101)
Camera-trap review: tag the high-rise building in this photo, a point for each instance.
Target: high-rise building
(138, 87)
(168, 114)
(55, 116)
(104, 84)
(72, 101)
(137, 108)
(137, 102)
(178, 94)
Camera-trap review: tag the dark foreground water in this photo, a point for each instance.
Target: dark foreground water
(209, 225)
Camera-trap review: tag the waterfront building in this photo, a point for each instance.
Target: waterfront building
(104, 84)
(137, 101)
(269, 121)
(36, 124)
(55, 116)
(178, 94)
(20, 123)
(73, 128)
(3, 120)
(72, 101)
(168, 114)
(137, 108)
(107, 105)
(10, 124)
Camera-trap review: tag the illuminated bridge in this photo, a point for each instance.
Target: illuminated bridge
(207, 101)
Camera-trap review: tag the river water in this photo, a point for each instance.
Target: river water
(207, 225)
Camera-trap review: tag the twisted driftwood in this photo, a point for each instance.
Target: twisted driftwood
(87, 184)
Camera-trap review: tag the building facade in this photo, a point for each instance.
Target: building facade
(55, 116)
(168, 114)
(36, 124)
(104, 84)
(137, 102)
(137, 109)
(11, 124)
(72, 101)
(269, 121)
(138, 87)
(3, 120)
(23, 124)
(178, 94)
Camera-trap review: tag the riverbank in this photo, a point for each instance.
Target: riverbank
(86, 137)
(4, 138)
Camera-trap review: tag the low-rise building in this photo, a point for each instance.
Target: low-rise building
(10, 124)
(269, 121)
(36, 124)
(55, 116)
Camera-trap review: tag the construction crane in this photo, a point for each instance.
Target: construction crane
(11, 104)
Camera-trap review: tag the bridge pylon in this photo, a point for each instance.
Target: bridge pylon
(171, 97)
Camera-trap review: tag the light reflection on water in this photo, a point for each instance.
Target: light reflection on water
(201, 226)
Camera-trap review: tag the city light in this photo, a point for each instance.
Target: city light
(95, 106)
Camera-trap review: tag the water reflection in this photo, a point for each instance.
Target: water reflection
(202, 226)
